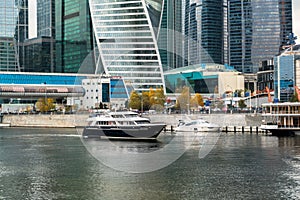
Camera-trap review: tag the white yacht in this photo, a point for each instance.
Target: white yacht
(120, 125)
(196, 125)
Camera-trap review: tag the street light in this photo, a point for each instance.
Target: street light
(231, 103)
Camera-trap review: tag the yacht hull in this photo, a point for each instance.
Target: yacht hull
(197, 129)
(284, 132)
(134, 132)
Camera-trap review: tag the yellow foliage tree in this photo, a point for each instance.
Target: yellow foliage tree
(45, 104)
(197, 100)
(135, 100)
(183, 101)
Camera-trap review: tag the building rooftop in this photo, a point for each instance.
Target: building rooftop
(211, 67)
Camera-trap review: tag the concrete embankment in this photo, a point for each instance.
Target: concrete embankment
(54, 121)
(233, 122)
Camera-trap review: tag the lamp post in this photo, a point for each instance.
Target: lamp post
(142, 105)
(231, 102)
(188, 103)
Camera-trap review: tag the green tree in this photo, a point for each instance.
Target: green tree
(242, 104)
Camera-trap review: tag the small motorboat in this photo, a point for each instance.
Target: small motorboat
(196, 125)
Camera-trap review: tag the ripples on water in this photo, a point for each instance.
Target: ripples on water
(54, 164)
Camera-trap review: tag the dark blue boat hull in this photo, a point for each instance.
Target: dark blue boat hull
(134, 132)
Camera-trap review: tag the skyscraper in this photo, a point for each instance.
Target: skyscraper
(13, 31)
(126, 33)
(74, 40)
(45, 42)
(204, 31)
(170, 41)
(46, 18)
(257, 31)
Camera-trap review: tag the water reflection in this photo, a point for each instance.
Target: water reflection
(141, 157)
(33, 166)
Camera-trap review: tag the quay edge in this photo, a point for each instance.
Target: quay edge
(79, 120)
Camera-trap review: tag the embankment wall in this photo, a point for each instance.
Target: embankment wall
(80, 120)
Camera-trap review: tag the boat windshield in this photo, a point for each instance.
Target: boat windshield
(130, 115)
(143, 122)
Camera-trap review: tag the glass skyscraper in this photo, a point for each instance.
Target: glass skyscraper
(46, 18)
(170, 41)
(257, 31)
(204, 31)
(126, 34)
(13, 31)
(74, 40)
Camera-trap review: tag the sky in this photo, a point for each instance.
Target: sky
(296, 19)
(32, 19)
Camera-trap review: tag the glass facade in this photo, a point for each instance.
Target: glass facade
(258, 29)
(46, 18)
(45, 28)
(74, 39)
(170, 36)
(126, 35)
(284, 77)
(13, 30)
(37, 55)
(204, 31)
(42, 78)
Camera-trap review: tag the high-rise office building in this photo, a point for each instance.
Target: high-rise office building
(73, 33)
(204, 31)
(37, 54)
(257, 31)
(170, 41)
(126, 33)
(39, 51)
(46, 18)
(13, 31)
(46, 27)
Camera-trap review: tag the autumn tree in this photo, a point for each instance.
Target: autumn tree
(197, 100)
(135, 100)
(158, 99)
(145, 101)
(45, 104)
(183, 101)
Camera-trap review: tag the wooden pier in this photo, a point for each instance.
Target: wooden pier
(233, 129)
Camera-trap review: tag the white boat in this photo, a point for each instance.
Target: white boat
(121, 125)
(196, 125)
(281, 119)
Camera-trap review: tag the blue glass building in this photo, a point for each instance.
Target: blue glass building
(170, 41)
(13, 31)
(74, 39)
(286, 73)
(204, 31)
(257, 31)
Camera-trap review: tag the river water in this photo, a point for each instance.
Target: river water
(56, 164)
